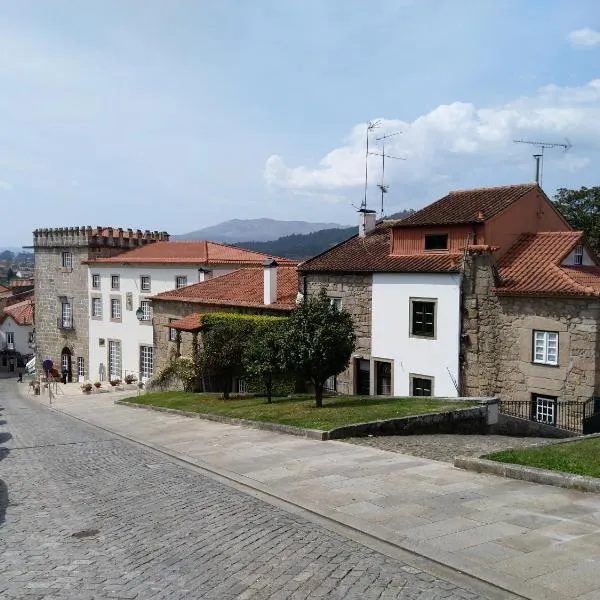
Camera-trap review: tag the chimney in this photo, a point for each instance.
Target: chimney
(366, 221)
(204, 274)
(270, 281)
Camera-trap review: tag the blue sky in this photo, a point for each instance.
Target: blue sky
(175, 115)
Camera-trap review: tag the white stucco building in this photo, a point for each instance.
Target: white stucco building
(120, 309)
(16, 335)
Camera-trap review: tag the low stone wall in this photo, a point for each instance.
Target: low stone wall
(464, 420)
(517, 427)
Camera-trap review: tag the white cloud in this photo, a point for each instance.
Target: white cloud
(5, 186)
(455, 139)
(584, 38)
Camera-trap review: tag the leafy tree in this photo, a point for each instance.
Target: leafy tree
(222, 354)
(263, 356)
(319, 341)
(581, 208)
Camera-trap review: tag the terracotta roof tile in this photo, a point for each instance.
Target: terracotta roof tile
(17, 283)
(191, 322)
(21, 312)
(468, 206)
(243, 287)
(186, 252)
(3, 289)
(371, 254)
(533, 267)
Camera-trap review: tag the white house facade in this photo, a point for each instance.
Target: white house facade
(415, 328)
(16, 335)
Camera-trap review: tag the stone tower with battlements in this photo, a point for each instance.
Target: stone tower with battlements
(62, 308)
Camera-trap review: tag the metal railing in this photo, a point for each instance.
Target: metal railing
(65, 323)
(574, 415)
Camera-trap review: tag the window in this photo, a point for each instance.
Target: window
(146, 361)
(66, 317)
(336, 303)
(544, 409)
(145, 283)
(331, 384)
(145, 306)
(114, 360)
(423, 318)
(545, 347)
(115, 308)
(241, 386)
(421, 385)
(97, 308)
(114, 282)
(81, 367)
(67, 260)
(383, 378)
(31, 337)
(96, 281)
(180, 281)
(10, 338)
(436, 241)
(578, 256)
(172, 332)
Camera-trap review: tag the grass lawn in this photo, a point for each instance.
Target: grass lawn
(301, 412)
(580, 458)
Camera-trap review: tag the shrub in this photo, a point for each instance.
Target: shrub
(130, 378)
(86, 386)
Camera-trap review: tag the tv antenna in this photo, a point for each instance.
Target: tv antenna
(371, 125)
(539, 157)
(382, 186)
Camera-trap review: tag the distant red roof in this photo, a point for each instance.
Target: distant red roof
(21, 312)
(243, 287)
(189, 252)
(17, 283)
(191, 322)
(371, 254)
(468, 206)
(533, 267)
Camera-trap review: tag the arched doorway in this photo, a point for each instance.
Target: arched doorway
(66, 363)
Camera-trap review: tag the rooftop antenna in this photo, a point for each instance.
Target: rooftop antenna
(539, 157)
(371, 125)
(384, 188)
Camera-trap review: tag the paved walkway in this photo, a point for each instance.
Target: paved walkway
(538, 541)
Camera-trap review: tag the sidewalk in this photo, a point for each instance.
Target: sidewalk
(537, 541)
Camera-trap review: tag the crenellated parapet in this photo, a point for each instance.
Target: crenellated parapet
(97, 237)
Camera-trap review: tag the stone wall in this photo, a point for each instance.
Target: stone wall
(498, 351)
(355, 290)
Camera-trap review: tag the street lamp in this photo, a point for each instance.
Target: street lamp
(139, 313)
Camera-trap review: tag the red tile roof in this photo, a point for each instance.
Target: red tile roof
(17, 283)
(3, 289)
(533, 267)
(21, 312)
(191, 322)
(371, 254)
(468, 206)
(189, 252)
(243, 287)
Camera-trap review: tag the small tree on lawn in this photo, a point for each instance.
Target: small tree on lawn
(263, 357)
(319, 341)
(223, 343)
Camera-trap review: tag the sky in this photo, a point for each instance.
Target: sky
(173, 115)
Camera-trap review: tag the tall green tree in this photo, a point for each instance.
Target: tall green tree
(581, 208)
(319, 341)
(264, 355)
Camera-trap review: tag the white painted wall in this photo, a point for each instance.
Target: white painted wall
(391, 329)
(129, 331)
(21, 334)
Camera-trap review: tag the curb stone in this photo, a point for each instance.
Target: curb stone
(531, 474)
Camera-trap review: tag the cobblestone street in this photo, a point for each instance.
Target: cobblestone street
(88, 515)
(446, 447)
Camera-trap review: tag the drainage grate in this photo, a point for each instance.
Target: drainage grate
(85, 533)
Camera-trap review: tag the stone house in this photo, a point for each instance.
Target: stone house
(16, 335)
(269, 290)
(120, 291)
(61, 276)
(452, 301)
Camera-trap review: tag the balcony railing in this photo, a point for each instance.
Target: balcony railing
(65, 323)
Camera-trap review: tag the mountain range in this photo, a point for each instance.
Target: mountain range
(257, 230)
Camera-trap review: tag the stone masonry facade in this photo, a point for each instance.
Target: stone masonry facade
(356, 293)
(55, 285)
(497, 348)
